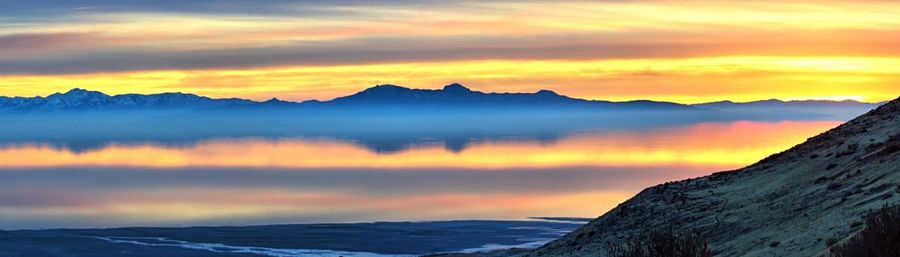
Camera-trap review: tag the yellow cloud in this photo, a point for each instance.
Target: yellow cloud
(690, 80)
(682, 51)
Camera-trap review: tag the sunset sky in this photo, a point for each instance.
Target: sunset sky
(673, 51)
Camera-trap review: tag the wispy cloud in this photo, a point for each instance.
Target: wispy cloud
(103, 37)
(27, 42)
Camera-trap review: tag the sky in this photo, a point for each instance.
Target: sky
(680, 51)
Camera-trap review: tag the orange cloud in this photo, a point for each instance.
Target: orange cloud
(682, 51)
(690, 80)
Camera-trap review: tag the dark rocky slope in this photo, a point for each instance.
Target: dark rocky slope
(790, 204)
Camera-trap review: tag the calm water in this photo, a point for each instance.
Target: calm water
(242, 181)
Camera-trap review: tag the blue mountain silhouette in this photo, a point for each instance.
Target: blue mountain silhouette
(453, 95)
(385, 118)
(80, 99)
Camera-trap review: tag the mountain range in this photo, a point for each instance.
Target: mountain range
(844, 109)
(80, 99)
(383, 118)
(459, 95)
(453, 96)
(381, 95)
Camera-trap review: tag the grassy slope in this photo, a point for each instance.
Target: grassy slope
(800, 198)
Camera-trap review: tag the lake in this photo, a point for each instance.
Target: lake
(281, 180)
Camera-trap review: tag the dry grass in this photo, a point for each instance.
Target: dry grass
(665, 243)
(880, 237)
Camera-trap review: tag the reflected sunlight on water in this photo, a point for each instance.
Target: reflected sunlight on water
(729, 144)
(258, 181)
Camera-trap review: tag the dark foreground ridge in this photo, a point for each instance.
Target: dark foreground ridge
(795, 203)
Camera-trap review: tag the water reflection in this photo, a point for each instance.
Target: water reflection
(700, 144)
(258, 181)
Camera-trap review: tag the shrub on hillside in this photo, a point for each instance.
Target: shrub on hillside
(880, 237)
(664, 243)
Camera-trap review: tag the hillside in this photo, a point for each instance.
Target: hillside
(789, 204)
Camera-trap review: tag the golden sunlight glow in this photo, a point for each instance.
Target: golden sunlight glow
(182, 205)
(684, 51)
(679, 80)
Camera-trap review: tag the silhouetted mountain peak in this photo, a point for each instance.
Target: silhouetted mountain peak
(75, 98)
(545, 92)
(456, 88)
(77, 90)
(385, 88)
(79, 93)
(277, 102)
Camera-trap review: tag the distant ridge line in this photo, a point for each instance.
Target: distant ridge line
(386, 94)
(451, 95)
